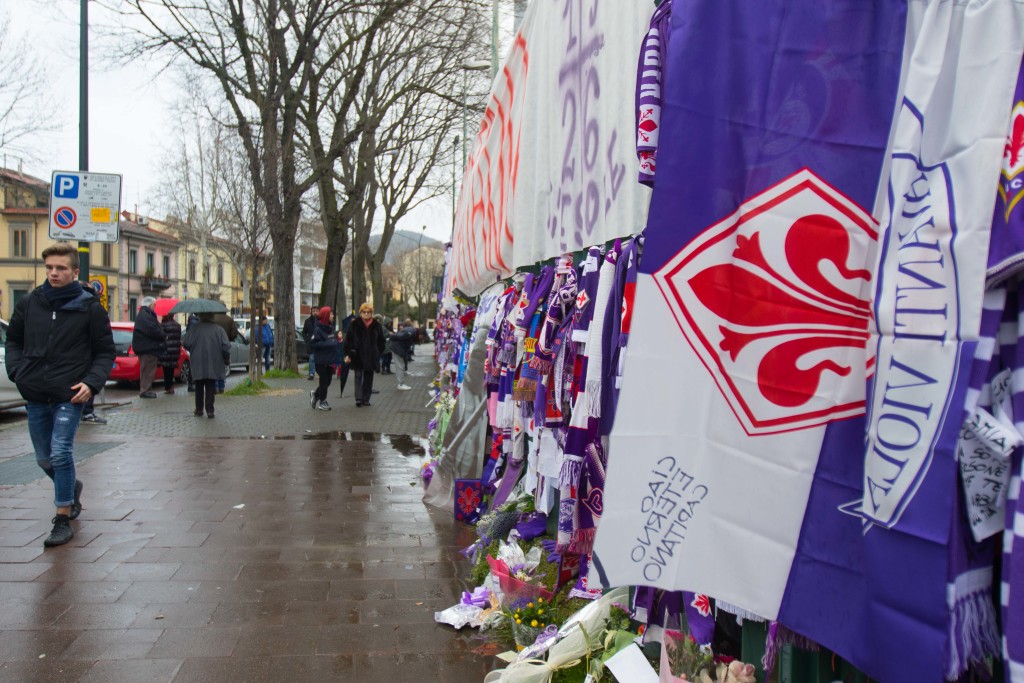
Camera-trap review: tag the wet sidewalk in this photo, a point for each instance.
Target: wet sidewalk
(298, 558)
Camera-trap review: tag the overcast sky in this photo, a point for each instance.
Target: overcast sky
(128, 108)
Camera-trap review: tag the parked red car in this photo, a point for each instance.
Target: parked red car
(126, 365)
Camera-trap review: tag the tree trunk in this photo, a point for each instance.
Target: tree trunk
(377, 280)
(337, 241)
(283, 237)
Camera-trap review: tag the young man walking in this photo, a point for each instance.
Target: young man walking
(308, 327)
(60, 351)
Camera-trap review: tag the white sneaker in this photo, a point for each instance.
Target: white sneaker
(404, 387)
(322, 405)
(312, 398)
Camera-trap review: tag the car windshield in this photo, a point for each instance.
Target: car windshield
(122, 340)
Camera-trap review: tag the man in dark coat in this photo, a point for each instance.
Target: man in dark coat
(308, 327)
(60, 352)
(172, 351)
(148, 341)
(364, 342)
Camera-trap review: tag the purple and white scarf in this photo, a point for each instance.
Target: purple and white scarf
(649, 79)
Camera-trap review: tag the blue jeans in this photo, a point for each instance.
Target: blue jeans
(266, 356)
(312, 364)
(52, 427)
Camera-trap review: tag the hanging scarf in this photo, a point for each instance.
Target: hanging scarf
(528, 375)
(617, 325)
(558, 305)
(649, 79)
(569, 368)
(584, 423)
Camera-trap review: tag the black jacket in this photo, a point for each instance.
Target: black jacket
(172, 347)
(403, 341)
(149, 338)
(49, 351)
(307, 329)
(363, 345)
(323, 343)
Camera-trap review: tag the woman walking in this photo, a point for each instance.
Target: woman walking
(209, 347)
(324, 348)
(172, 349)
(364, 342)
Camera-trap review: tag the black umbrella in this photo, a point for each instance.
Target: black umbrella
(199, 306)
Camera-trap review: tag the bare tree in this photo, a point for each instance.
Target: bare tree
(416, 270)
(26, 108)
(264, 56)
(405, 110)
(193, 183)
(244, 225)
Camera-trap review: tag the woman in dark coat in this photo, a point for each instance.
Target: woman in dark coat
(172, 349)
(364, 342)
(324, 348)
(208, 343)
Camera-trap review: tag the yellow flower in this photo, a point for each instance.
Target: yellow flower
(540, 611)
(518, 620)
(540, 600)
(534, 623)
(529, 605)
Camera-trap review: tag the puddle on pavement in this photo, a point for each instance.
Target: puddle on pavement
(405, 444)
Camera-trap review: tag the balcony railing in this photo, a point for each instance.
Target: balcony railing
(155, 284)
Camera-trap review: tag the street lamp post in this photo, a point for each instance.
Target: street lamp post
(419, 274)
(455, 156)
(467, 67)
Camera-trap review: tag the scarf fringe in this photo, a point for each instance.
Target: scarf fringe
(505, 416)
(582, 541)
(973, 633)
(778, 637)
(542, 366)
(526, 390)
(593, 397)
(572, 469)
(738, 611)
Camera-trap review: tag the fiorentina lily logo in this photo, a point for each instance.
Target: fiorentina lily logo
(774, 299)
(1011, 185)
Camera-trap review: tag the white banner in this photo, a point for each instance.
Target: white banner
(553, 168)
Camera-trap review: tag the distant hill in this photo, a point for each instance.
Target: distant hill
(403, 241)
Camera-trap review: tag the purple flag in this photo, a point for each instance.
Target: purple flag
(802, 250)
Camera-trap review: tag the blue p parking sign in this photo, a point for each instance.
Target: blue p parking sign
(84, 206)
(65, 186)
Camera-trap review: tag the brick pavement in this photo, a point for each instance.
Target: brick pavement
(303, 556)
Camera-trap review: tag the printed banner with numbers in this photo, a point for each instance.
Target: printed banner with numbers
(553, 166)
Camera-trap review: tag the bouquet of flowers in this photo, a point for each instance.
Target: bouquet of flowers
(529, 617)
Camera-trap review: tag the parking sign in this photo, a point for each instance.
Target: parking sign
(84, 206)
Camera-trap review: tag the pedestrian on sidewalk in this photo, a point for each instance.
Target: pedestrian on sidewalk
(324, 344)
(364, 342)
(385, 358)
(267, 341)
(171, 352)
(340, 367)
(208, 344)
(402, 343)
(307, 336)
(192, 321)
(148, 341)
(59, 353)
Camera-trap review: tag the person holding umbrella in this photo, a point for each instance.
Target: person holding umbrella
(202, 307)
(208, 344)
